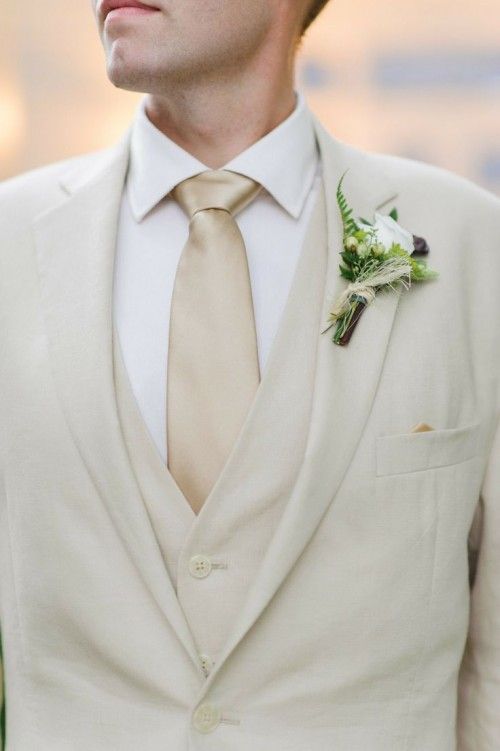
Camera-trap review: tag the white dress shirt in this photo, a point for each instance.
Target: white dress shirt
(153, 229)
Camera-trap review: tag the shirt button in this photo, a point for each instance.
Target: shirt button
(206, 663)
(206, 718)
(200, 566)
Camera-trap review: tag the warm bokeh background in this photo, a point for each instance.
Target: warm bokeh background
(419, 78)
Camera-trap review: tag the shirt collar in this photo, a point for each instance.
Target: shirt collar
(284, 162)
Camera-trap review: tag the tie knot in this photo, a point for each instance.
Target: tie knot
(215, 189)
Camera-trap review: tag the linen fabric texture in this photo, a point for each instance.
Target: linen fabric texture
(367, 619)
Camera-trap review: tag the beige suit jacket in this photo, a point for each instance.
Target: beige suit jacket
(374, 620)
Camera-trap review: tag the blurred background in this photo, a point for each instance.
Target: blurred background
(420, 78)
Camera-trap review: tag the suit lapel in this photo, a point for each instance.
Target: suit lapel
(346, 381)
(75, 247)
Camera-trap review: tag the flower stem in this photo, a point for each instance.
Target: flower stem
(345, 329)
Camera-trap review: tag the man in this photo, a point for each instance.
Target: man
(219, 529)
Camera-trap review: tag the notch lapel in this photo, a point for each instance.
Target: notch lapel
(75, 251)
(346, 381)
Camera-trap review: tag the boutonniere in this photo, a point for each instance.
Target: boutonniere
(375, 256)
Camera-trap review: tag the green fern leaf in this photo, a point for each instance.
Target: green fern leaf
(350, 226)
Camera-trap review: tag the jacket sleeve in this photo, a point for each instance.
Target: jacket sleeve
(478, 718)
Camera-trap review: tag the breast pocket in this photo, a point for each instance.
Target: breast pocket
(425, 477)
(404, 453)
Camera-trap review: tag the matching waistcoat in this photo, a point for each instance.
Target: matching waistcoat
(212, 558)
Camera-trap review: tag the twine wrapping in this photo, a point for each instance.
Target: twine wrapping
(385, 274)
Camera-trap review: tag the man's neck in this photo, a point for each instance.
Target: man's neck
(217, 122)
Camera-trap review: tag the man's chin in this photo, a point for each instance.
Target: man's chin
(125, 73)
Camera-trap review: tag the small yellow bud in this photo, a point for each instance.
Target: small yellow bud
(351, 243)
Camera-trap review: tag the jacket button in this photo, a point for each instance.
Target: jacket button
(200, 566)
(206, 718)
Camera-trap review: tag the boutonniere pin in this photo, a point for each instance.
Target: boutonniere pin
(375, 256)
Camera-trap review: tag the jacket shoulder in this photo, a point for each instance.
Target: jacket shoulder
(444, 189)
(26, 195)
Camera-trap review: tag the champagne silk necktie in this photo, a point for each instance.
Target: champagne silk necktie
(213, 367)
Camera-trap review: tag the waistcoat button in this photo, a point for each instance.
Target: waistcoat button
(200, 566)
(206, 718)
(206, 663)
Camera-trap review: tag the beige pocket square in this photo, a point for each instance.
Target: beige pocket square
(421, 427)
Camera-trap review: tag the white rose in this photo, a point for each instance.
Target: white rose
(389, 231)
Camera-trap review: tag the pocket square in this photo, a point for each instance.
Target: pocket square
(421, 427)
